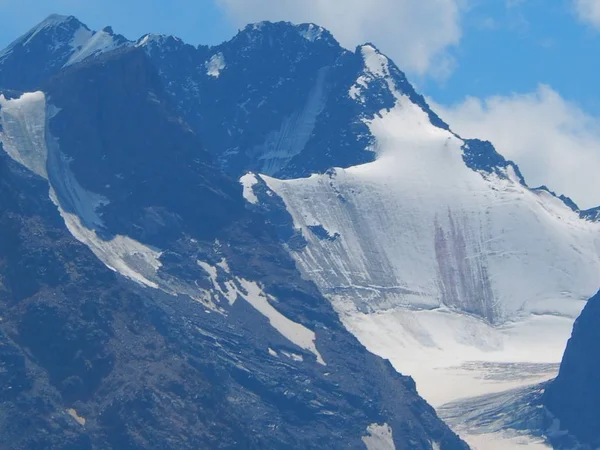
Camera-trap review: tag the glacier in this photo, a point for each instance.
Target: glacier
(444, 270)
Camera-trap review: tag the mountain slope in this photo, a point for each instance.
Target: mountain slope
(197, 331)
(435, 258)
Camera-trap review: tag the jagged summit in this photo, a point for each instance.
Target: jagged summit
(54, 21)
(54, 27)
(309, 31)
(294, 63)
(55, 43)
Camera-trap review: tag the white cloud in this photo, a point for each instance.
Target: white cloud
(553, 141)
(416, 34)
(588, 11)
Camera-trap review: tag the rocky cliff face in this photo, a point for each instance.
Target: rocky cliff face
(143, 303)
(573, 397)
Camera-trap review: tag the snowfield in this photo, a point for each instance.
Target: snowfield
(448, 272)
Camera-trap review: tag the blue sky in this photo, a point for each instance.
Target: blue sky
(508, 49)
(522, 73)
(196, 21)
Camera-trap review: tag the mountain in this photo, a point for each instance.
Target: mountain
(572, 398)
(275, 200)
(144, 303)
(56, 43)
(431, 247)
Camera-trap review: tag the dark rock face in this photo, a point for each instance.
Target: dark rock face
(591, 214)
(125, 143)
(91, 360)
(482, 156)
(574, 396)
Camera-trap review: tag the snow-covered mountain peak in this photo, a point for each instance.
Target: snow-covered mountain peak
(266, 33)
(55, 32)
(53, 21)
(55, 43)
(436, 253)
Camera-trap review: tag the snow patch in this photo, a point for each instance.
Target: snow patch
(293, 356)
(224, 265)
(227, 289)
(80, 420)
(100, 42)
(251, 292)
(143, 41)
(80, 38)
(121, 254)
(215, 65)
(311, 32)
(376, 63)
(161, 41)
(248, 182)
(379, 437)
(294, 332)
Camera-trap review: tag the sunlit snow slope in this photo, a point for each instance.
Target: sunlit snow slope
(437, 266)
